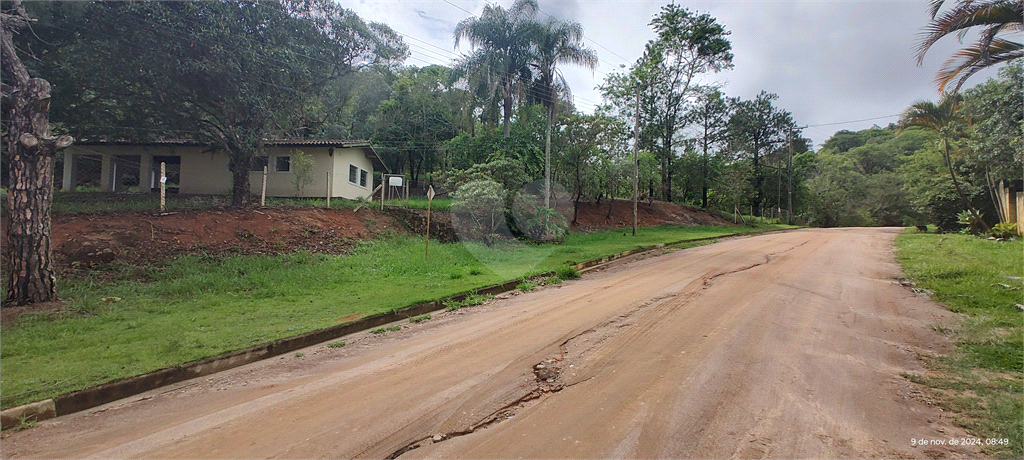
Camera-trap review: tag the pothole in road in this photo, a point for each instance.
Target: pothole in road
(556, 373)
(546, 381)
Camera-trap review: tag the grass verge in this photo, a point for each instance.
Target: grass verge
(195, 307)
(981, 379)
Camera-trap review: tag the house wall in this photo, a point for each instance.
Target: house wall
(205, 172)
(342, 187)
(282, 184)
(97, 165)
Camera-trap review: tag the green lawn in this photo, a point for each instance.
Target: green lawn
(981, 380)
(194, 307)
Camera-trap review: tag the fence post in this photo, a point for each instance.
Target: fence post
(263, 192)
(163, 186)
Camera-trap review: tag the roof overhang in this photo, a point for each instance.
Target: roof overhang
(365, 146)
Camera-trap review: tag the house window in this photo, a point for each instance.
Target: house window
(282, 163)
(353, 174)
(362, 178)
(258, 163)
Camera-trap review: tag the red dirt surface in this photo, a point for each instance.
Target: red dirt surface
(619, 213)
(84, 240)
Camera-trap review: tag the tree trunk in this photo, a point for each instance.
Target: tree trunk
(507, 114)
(29, 253)
(31, 275)
(704, 173)
(547, 163)
(956, 184)
(758, 193)
(241, 195)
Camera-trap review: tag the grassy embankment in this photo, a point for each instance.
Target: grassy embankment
(195, 307)
(981, 380)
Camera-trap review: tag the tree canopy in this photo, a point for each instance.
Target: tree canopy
(228, 74)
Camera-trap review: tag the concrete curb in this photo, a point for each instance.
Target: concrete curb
(111, 391)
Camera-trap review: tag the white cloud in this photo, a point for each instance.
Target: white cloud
(828, 61)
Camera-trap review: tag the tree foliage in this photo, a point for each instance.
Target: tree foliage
(224, 73)
(688, 45)
(412, 126)
(501, 40)
(758, 129)
(993, 18)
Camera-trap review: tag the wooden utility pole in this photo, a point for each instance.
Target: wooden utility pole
(636, 157)
(789, 187)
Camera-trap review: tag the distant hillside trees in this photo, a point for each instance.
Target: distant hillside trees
(925, 174)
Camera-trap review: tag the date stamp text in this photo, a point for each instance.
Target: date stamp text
(960, 442)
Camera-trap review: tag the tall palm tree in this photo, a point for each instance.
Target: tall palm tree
(993, 17)
(501, 40)
(942, 119)
(557, 42)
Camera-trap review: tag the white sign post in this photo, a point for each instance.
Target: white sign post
(163, 186)
(430, 197)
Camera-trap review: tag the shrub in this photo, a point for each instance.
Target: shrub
(526, 286)
(302, 167)
(537, 222)
(968, 219)
(567, 272)
(1004, 230)
(479, 208)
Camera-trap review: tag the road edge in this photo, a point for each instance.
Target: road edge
(87, 398)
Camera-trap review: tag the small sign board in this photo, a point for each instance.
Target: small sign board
(395, 181)
(430, 193)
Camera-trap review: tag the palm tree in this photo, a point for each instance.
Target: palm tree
(501, 40)
(942, 119)
(556, 42)
(993, 17)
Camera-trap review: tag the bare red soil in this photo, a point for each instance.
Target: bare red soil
(81, 241)
(619, 213)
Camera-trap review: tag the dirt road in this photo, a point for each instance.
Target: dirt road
(784, 345)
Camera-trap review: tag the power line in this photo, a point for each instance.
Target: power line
(459, 7)
(852, 121)
(624, 60)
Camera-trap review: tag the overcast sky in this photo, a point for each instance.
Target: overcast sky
(830, 62)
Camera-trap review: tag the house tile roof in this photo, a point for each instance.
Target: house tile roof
(368, 150)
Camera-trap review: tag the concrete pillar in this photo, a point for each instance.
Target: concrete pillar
(106, 173)
(69, 175)
(147, 180)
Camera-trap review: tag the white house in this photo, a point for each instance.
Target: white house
(200, 169)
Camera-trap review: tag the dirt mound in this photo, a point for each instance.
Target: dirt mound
(84, 240)
(619, 213)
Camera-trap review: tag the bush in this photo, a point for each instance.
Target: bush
(540, 223)
(968, 219)
(1005, 230)
(536, 221)
(302, 166)
(479, 208)
(567, 272)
